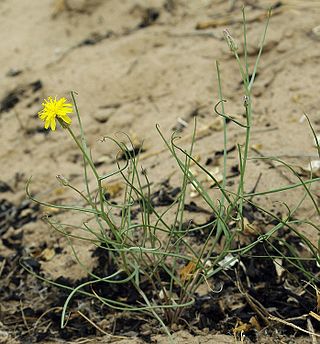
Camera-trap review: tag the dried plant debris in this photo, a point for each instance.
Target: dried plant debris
(74, 6)
(10, 100)
(12, 72)
(4, 187)
(150, 16)
(166, 195)
(239, 297)
(15, 96)
(16, 216)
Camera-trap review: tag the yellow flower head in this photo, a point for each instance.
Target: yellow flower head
(53, 108)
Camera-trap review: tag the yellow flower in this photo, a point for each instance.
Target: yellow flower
(53, 108)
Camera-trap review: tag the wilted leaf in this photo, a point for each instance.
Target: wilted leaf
(113, 189)
(279, 267)
(242, 327)
(255, 323)
(257, 146)
(249, 229)
(50, 210)
(187, 272)
(194, 192)
(47, 254)
(228, 261)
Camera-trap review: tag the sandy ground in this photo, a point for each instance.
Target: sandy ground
(135, 64)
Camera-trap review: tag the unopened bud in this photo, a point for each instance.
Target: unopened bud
(62, 180)
(231, 42)
(246, 101)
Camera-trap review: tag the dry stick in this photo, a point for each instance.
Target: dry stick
(2, 266)
(27, 332)
(187, 34)
(297, 155)
(230, 20)
(99, 328)
(253, 303)
(311, 329)
(315, 315)
(82, 341)
(185, 296)
(271, 317)
(300, 4)
(23, 316)
(44, 314)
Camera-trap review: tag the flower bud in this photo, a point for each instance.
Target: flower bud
(231, 42)
(62, 180)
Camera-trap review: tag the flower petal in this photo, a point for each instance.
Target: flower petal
(53, 124)
(66, 119)
(47, 123)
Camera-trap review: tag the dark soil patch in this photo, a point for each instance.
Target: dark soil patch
(251, 289)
